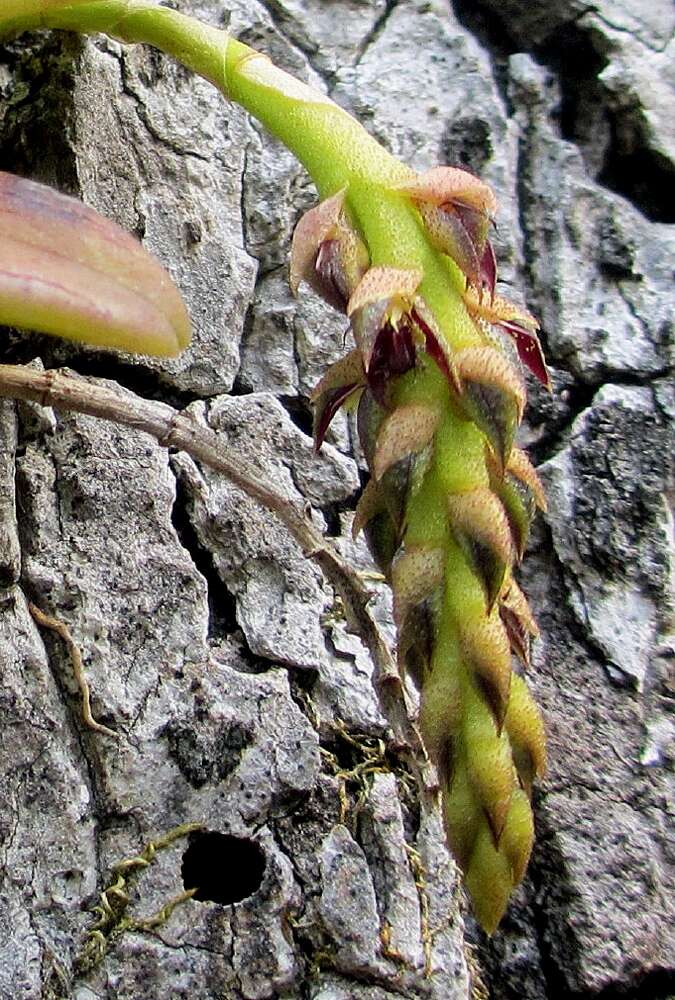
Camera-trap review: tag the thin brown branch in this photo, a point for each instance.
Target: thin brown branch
(61, 629)
(67, 391)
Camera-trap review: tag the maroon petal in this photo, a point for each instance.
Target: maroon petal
(315, 226)
(488, 269)
(393, 354)
(476, 223)
(327, 407)
(529, 350)
(341, 262)
(327, 277)
(367, 323)
(433, 345)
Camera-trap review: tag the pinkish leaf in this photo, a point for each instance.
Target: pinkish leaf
(480, 525)
(406, 430)
(340, 264)
(521, 467)
(66, 270)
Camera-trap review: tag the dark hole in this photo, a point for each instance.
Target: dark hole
(300, 413)
(224, 869)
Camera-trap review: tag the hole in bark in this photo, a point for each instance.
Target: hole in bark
(224, 869)
(300, 412)
(222, 603)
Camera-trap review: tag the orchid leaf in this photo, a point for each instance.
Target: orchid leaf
(66, 270)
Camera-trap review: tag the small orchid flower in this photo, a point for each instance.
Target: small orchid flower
(457, 209)
(518, 324)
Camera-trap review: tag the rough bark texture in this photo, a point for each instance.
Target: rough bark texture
(211, 643)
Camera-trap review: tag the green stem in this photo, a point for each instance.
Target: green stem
(331, 145)
(334, 148)
(198, 46)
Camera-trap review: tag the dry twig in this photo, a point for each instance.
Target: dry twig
(78, 668)
(172, 429)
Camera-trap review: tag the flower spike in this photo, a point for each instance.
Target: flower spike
(447, 513)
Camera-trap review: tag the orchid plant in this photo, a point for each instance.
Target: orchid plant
(435, 376)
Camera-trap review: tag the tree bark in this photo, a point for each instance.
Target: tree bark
(214, 647)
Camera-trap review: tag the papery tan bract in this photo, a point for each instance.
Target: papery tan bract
(457, 209)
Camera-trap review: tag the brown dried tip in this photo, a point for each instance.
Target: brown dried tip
(520, 466)
(341, 380)
(66, 270)
(518, 620)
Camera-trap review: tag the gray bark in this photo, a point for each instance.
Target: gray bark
(211, 643)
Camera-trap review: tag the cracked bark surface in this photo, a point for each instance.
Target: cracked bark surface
(212, 645)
